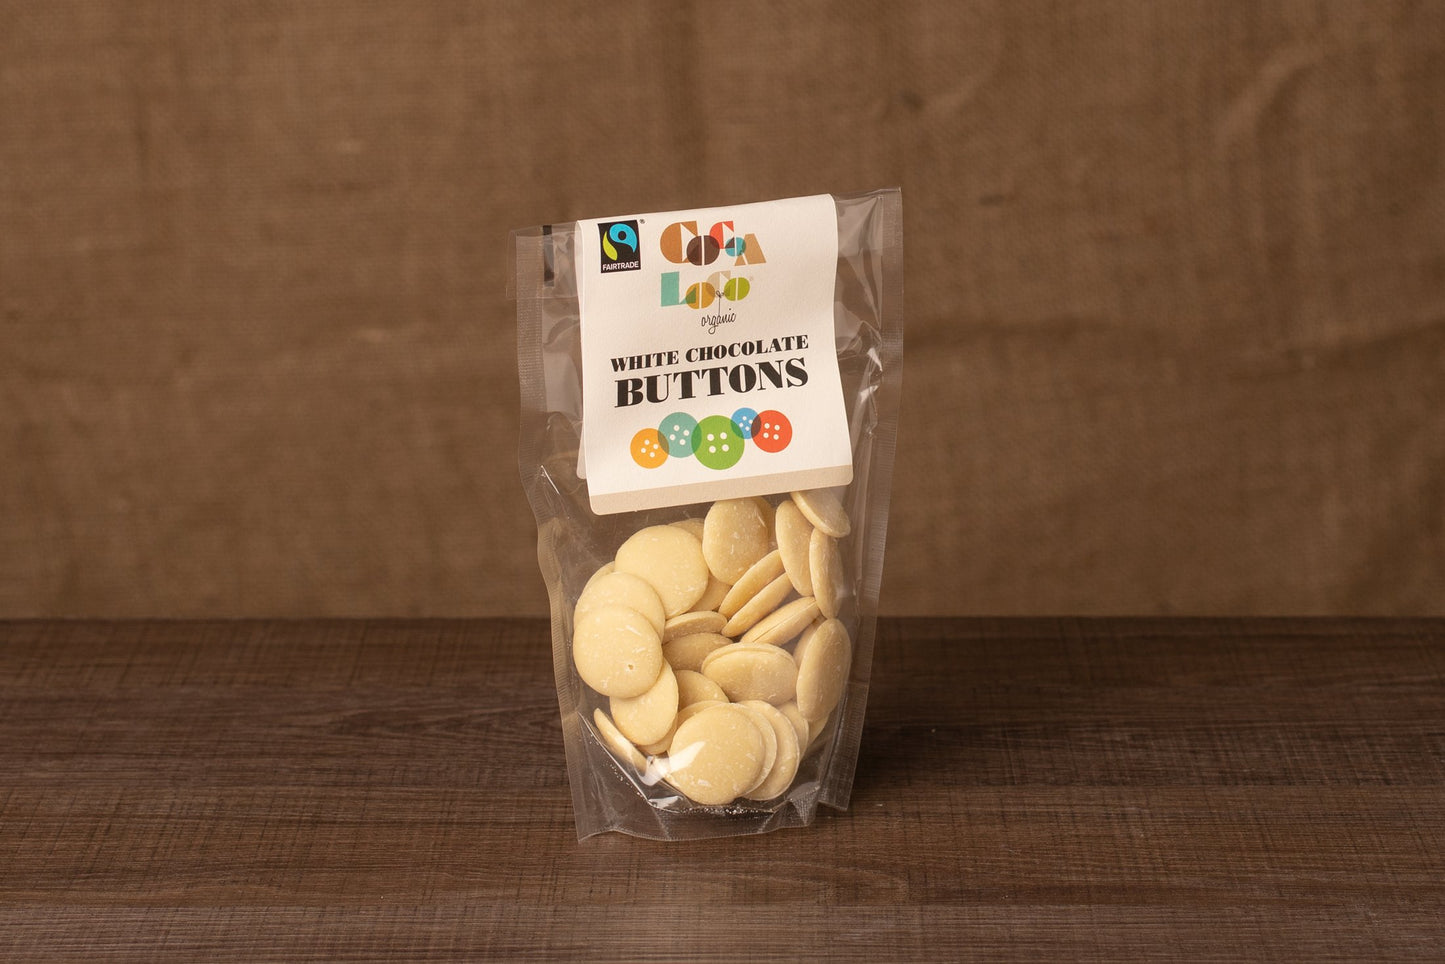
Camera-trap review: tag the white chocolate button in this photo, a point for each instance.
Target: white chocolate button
(683, 715)
(785, 762)
(824, 510)
(693, 687)
(716, 755)
(688, 624)
(716, 592)
(617, 651)
(752, 582)
(759, 606)
(647, 718)
(621, 589)
(670, 559)
(824, 657)
(799, 721)
(819, 730)
(782, 624)
(770, 744)
(793, 533)
(602, 570)
(693, 526)
(826, 562)
(734, 537)
(613, 739)
(688, 652)
(753, 671)
(767, 509)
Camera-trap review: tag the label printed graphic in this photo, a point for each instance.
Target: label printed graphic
(709, 368)
(618, 240)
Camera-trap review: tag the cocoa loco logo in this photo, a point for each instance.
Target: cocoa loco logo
(723, 250)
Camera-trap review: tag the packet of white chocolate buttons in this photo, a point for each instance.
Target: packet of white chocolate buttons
(709, 414)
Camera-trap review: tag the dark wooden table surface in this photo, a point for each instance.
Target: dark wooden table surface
(396, 791)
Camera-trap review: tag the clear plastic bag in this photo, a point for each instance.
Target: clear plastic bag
(648, 790)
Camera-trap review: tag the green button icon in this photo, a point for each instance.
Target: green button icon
(718, 442)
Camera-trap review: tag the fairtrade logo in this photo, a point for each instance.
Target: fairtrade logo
(718, 441)
(619, 246)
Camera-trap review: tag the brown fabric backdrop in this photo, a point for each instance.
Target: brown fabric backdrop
(1176, 287)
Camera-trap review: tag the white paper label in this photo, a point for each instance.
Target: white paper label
(709, 369)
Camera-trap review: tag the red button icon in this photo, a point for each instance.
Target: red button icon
(772, 431)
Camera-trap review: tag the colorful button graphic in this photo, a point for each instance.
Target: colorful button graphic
(744, 418)
(772, 431)
(648, 449)
(678, 431)
(719, 442)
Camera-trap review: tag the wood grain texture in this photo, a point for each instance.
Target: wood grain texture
(350, 791)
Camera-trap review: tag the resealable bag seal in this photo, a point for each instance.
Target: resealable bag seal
(616, 786)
